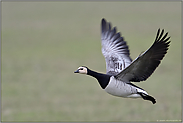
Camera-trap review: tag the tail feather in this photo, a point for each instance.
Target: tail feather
(147, 97)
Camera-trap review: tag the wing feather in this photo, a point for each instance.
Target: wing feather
(144, 65)
(114, 49)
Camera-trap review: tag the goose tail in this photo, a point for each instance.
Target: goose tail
(147, 97)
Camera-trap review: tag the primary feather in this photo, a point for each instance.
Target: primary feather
(144, 65)
(119, 62)
(114, 49)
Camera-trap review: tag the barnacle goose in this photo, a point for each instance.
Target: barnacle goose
(121, 70)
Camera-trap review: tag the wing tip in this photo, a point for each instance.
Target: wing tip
(162, 37)
(103, 24)
(103, 19)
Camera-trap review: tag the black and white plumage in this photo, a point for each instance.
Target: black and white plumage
(114, 49)
(120, 68)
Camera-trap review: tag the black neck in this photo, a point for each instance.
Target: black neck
(103, 79)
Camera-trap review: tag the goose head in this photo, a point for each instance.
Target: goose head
(82, 70)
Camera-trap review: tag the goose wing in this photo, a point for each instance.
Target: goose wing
(114, 49)
(144, 65)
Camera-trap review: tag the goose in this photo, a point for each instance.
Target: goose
(121, 71)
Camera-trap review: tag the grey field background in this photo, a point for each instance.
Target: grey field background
(43, 43)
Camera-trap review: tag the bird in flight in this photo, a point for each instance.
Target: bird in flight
(121, 70)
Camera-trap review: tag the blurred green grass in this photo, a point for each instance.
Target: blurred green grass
(44, 42)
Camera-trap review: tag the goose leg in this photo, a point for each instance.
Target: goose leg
(147, 97)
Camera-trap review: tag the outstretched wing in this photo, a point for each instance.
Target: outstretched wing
(144, 65)
(114, 49)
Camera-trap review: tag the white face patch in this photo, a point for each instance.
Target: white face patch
(82, 70)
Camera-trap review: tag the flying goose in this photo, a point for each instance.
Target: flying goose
(121, 70)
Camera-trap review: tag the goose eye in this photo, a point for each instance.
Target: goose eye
(81, 68)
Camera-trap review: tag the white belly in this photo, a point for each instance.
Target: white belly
(122, 89)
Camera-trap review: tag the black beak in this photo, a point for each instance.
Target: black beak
(77, 71)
